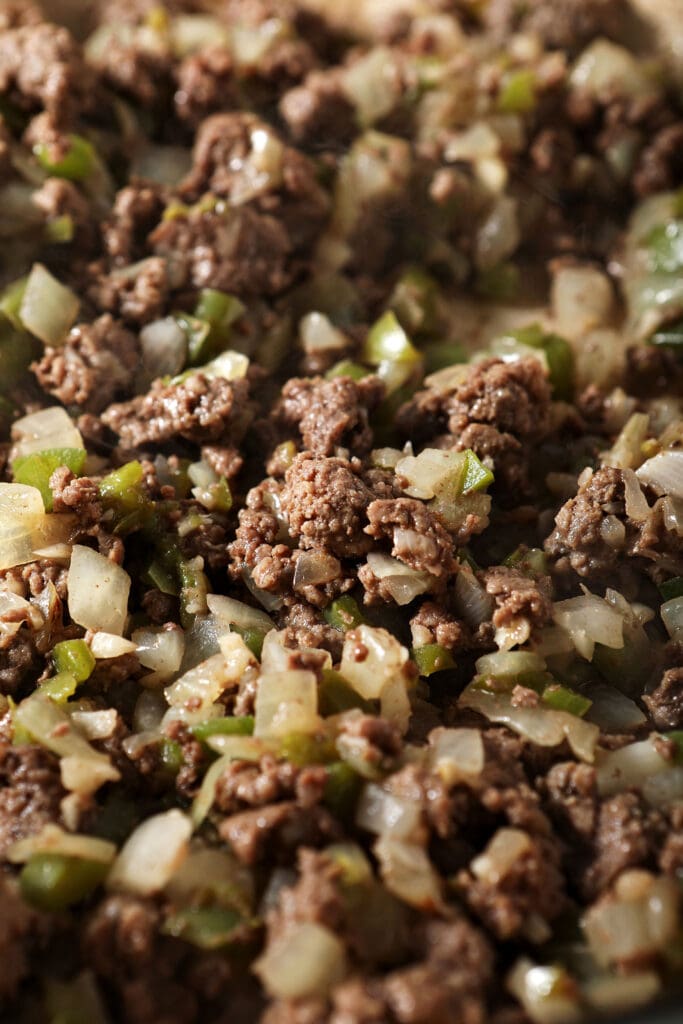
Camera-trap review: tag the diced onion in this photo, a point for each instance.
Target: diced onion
(589, 620)
(95, 725)
(401, 581)
(371, 658)
(151, 854)
(604, 68)
(53, 839)
(286, 702)
(160, 650)
(148, 712)
(624, 992)
(239, 614)
(318, 334)
(456, 755)
(47, 428)
(48, 308)
(199, 688)
(408, 873)
(83, 769)
(164, 348)
(507, 664)
(501, 854)
(664, 473)
(540, 724)
(315, 567)
(635, 502)
(373, 84)
(192, 32)
(612, 710)
(471, 600)
(98, 591)
(582, 299)
(624, 928)
(110, 645)
(429, 472)
(672, 617)
(629, 766)
(229, 365)
(307, 960)
(385, 814)
(498, 235)
(548, 994)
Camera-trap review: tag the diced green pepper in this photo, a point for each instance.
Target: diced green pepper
(665, 247)
(60, 230)
(389, 349)
(671, 588)
(343, 614)
(336, 695)
(17, 351)
(517, 94)
(443, 354)
(11, 299)
(476, 476)
(676, 737)
(669, 336)
(558, 354)
(242, 725)
(197, 332)
(122, 484)
(217, 496)
(431, 658)
(302, 749)
(531, 561)
(414, 300)
(561, 698)
(60, 687)
(74, 656)
(53, 882)
(347, 368)
(36, 469)
(79, 162)
(253, 638)
(204, 927)
(499, 283)
(218, 308)
(342, 789)
(193, 590)
(159, 576)
(355, 866)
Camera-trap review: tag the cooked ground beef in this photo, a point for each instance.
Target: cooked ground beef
(339, 348)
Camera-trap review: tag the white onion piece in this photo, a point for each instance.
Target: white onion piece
(48, 308)
(664, 788)
(148, 712)
(498, 235)
(635, 502)
(160, 650)
(271, 602)
(631, 765)
(371, 658)
(582, 299)
(95, 725)
(401, 581)
(626, 452)
(612, 710)
(201, 686)
(110, 645)
(307, 960)
(385, 814)
(672, 514)
(373, 84)
(547, 993)
(394, 704)
(589, 620)
(625, 992)
(98, 591)
(229, 365)
(622, 928)
(664, 473)
(501, 854)
(541, 725)
(15, 609)
(286, 702)
(457, 755)
(672, 617)
(471, 600)
(163, 347)
(83, 769)
(201, 640)
(192, 32)
(151, 854)
(315, 567)
(53, 839)
(408, 873)
(318, 334)
(427, 473)
(506, 664)
(47, 428)
(238, 748)
(239, 614)
(207, 871)
(604, 68)
(22, 515)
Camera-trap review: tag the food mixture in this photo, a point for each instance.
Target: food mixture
(341, 513)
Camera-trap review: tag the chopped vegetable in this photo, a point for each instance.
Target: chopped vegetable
(78, 163)
(53, 882)
(36, 469)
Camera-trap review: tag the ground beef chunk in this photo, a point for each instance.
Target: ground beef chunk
(304, 626)
(30, 792)
(18, 927)
(578, 540)
(258, 547)
(94, 366)
(572, 797)
(223, 157)
(434, 624)
(32, 578)
(136, 210)
(652, 370)
(523, 604)
(325, 502)
(566, 24)
(41, 66)
(58, 198)
(198, 409)
(15, 13)
(277, 830)
(136, 297)
(318, 113)
(75, 494)
(20, 663)
(225, 460)
(206, 83)
(236, 251)
(417, 537)
(328, 414)
(141, 73)
(660, 165)
(665, 704)
(375, 741)
(208, 539)
(243, 784)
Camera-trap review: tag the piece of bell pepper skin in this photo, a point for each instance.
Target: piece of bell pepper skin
(54, 882)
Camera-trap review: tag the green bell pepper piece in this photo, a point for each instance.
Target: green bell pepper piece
(35, 469)
(53, 882)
